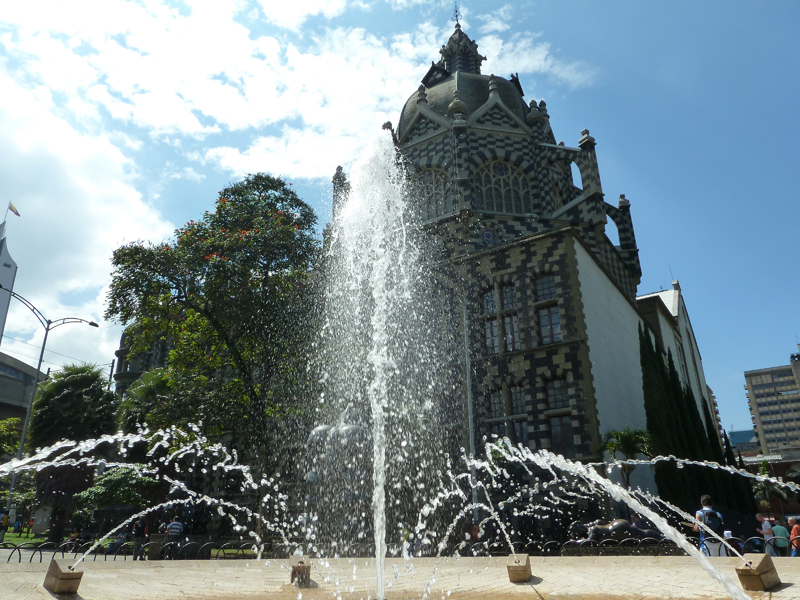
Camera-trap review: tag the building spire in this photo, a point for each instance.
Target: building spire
(460, 53)
(456, 15)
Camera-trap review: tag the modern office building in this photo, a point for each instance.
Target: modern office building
(744, 441)
(773, 395)
(16, 387)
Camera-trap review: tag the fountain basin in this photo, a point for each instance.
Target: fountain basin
(593, 578)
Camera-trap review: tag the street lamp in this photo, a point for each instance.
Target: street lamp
(48, 325)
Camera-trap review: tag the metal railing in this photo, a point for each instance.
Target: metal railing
(237, 550)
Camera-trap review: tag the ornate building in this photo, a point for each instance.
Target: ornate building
(551, 301)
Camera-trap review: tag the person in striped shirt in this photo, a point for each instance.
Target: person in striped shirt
(175, 529)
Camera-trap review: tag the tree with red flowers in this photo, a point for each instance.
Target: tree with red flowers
(228, 292)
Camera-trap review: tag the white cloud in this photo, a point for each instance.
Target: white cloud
(524, 54)
(187, 173)
(496, 21)
(290, 15)
(343, 89)
(77, 202)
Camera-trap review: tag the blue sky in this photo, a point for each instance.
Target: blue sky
(120, 121)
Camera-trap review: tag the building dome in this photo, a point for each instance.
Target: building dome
(473, 89)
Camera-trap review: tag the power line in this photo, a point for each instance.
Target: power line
(17, 352)
(7, 337)
(59, 365)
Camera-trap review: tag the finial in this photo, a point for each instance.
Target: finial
(457, 106)
(543, 107)
(422, 95)
(586, 142)
(492, 85)
(456, 15)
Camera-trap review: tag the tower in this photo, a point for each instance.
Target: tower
(8, 274)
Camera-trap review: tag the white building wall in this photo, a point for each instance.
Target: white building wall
(680, 341)
(612, 329)
(694, 364)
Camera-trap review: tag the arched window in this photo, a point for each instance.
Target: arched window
(499, 186)
(435, 194)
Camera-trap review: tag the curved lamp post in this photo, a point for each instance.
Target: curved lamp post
(48, 325)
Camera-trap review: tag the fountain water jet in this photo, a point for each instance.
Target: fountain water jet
(379, 331)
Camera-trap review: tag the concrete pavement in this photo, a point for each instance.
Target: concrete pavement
(558, 578)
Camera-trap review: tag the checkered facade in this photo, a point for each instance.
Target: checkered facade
(501, 247)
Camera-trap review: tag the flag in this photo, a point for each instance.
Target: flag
(13, 209)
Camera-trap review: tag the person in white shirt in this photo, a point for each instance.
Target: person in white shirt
(766, 531)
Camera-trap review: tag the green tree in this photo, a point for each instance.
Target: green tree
(151, 400)
(628, 442)
(227, 292)
(73, 404)
(118, 486)
(9, 436)
(678, 429)
(766, 490)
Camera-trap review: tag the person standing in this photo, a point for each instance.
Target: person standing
(713, 520)
(175, 529)
(781, 538)
(794, 535)
(766, 531)
(139, 533)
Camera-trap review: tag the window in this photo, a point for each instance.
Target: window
(492, 336)
(434, 193)
(508, 297)
(511, 326)
(518, 401)
(499, 186)
(561, 436)
(488, 302)
(557, 396)
(520, 428)
(545, 288)
(549, 325)
(509, 418)
(506, 318)
(496, 405)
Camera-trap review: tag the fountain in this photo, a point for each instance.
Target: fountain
(388, 467)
